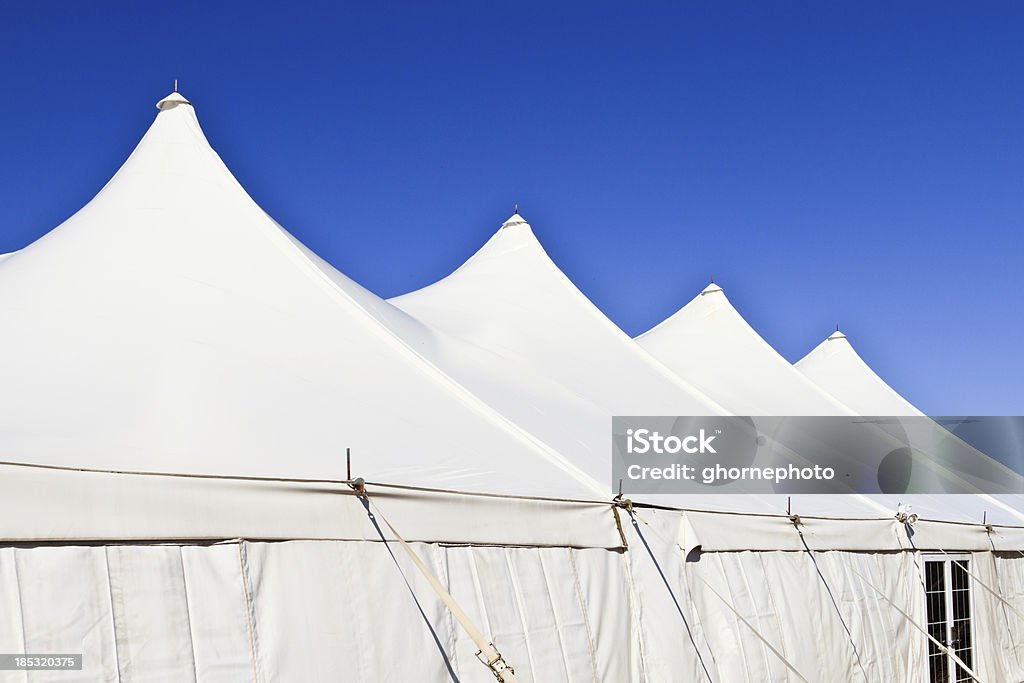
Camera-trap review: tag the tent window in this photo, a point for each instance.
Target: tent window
(948, 598)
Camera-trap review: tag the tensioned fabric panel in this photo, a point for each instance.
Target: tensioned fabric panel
(151, 613)
(316, 610)
(117, 507)
(552, 625)
(605, 590)
(218, 615)
(171, 300)
(10, 614)
(819, 610)
(888, 647)
(64, 598)
(341, 611)
(837, 368)
(709, 343)
(999, 623)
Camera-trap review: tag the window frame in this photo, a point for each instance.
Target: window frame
(947, 560)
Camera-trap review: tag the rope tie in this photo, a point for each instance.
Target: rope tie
(487, 653)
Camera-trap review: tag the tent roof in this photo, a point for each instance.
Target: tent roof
(836, 367)
(170, 325)
(541, 353)
(709, 343)
(512, 299)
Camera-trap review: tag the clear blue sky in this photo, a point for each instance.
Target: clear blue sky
(852, 162)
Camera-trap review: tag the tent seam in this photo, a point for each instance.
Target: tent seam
(478, 589)
(21, 607)
(454, 387)
(113, 619)
(743, 648)
(832, 598)
(698, 624)
(1006, 617)
(250, 616)
(521, 609)
(635, 612)
(443, 564)
(554, 613)
(775, 611)
(583, 612)
(188, 615)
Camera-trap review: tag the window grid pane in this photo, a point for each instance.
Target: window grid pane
(935, 595)
(948, 611)
(961, 617)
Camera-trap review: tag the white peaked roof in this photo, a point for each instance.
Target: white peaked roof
(709, 343)
(835, 367)
(512, 299)
(546, 357)
(172, 326)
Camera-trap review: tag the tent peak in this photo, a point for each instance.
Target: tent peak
(172, 100)
(836, 335)
(710, 289)
(515, 219)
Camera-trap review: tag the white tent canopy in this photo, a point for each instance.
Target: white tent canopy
(172, 326)
(837, 368)
(510, 298)
(708, 342)
(553, 363)
(180, 379)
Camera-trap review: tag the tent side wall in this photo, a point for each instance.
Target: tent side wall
(231, 611)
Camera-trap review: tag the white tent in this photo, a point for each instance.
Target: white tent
(708, 342)
(180, 378)
(510, 298)
(555, 365)
(837, 368)
(172, 326)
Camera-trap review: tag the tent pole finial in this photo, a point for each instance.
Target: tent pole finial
(515, 209)
(175, 85)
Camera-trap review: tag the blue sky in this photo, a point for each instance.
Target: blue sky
(852, 162)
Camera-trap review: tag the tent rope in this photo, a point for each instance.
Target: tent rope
(487, 653)
(810, 554)
(942, 648)
(764, 640)
(675, 601)
(729, 605)
(991, 590)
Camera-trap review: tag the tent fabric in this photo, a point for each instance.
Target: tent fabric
(171, 325)
(556, 366)
(708, 342)
(44, 504)
(104, 506)
(233, 612)
(511, 298)
(180, 379)
(836, 367)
